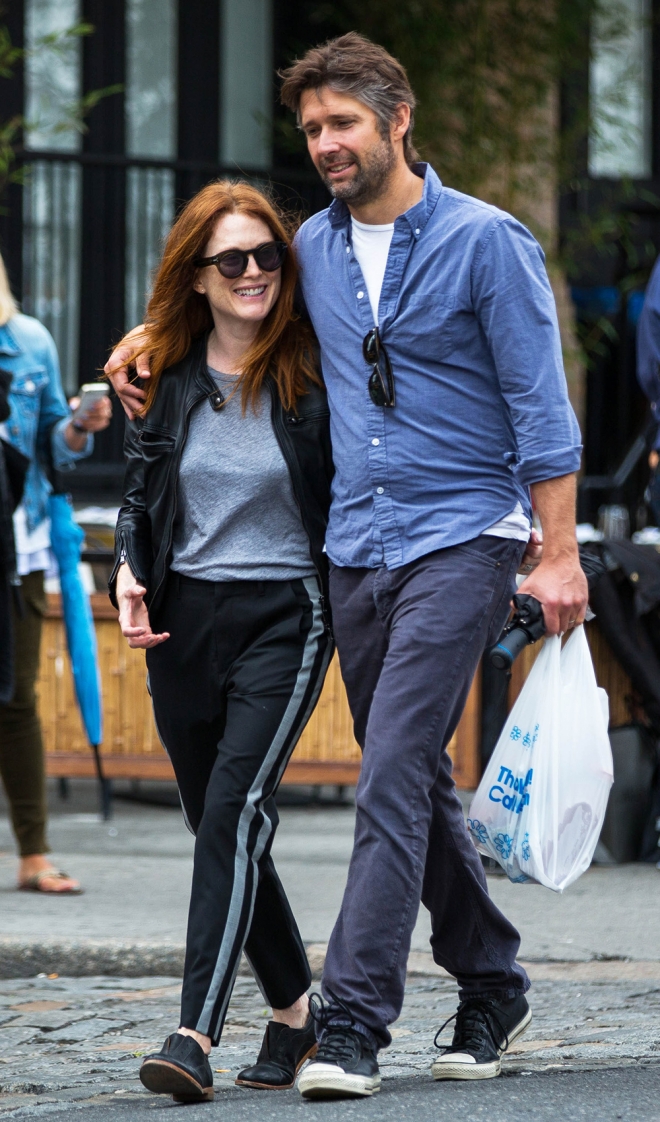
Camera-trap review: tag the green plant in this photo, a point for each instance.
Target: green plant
(493, 78)
(63, 114)
(487, 75)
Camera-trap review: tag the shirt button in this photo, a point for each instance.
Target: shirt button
(375, 442)
(29, 385)
(360, 295)
(417, 230)
(380, 490)
(348, 249)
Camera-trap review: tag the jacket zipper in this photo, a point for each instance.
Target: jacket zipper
(291, 419)
(123, 559)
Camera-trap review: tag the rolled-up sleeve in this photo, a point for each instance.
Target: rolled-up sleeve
(515, 307)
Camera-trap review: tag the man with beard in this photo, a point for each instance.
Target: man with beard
(441, 356)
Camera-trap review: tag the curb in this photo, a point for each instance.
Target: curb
(80, 958)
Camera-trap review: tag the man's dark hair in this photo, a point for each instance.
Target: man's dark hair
(353, 65)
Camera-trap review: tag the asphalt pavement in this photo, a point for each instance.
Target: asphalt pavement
(597, 1096)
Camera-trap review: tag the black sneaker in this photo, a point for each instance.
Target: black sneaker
(181, 1069)
(484, 1030)
(345, 1066)
(283, 1052)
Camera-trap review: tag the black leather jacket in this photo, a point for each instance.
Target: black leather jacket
(153, 447)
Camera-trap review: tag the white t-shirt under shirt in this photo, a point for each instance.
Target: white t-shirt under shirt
(371, 245)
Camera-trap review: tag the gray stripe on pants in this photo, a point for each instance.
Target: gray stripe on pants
(291, 718)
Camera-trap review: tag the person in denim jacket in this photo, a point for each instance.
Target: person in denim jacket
(40, 426)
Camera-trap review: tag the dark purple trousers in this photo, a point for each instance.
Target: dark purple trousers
(409, 642)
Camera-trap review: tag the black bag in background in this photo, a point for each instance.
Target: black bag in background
(626, 600)
(650, 845)
(13, 469)
(629, 807)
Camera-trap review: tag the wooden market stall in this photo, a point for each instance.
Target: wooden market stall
(326, 754)
(609, 674)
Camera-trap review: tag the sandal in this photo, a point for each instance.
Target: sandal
(34, 883)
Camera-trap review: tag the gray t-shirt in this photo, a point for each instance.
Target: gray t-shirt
(237, 518)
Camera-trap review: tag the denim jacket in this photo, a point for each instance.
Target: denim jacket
(38, 408)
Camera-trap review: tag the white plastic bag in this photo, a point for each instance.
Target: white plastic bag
(540, 805)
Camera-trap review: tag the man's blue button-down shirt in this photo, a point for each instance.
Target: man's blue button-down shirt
(469, 321)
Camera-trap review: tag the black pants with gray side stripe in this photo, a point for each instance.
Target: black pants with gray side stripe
(233, 688)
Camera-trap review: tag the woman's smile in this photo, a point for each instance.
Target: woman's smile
(253, 292)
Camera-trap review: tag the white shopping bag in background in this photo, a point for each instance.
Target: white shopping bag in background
(540, 806)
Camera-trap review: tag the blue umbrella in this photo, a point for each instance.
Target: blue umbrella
(66, 539)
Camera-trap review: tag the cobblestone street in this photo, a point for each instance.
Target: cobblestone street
(69, 1043)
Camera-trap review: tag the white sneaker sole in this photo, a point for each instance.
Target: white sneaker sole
(454, 1069)
(339, 1085)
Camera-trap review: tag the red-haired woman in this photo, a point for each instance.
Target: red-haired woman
(220, 574)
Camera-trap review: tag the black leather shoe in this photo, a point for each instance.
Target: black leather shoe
(180, 1069)
(283, 1051)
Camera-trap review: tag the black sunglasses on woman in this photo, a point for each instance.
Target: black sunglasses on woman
(269, 256)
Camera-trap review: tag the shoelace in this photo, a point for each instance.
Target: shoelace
(340, 1047)
(322, 1013)
(470, 1024)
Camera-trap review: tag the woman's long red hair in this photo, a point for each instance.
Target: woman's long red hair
(177, 315)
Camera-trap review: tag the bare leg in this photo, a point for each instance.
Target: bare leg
(203, 1041)
(295, 1016)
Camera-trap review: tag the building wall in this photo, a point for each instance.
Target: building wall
(189, 95)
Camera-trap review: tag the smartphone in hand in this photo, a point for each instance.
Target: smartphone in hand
(89, 395)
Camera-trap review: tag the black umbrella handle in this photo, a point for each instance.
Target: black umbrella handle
(105, 786)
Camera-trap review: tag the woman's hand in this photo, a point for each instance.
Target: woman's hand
(118, 371)
(97, 418)
(133, 613)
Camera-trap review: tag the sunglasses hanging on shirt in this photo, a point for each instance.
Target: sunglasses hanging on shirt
(381, 382)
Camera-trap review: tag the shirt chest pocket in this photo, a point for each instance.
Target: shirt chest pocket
(426, 325)
(25, 400)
